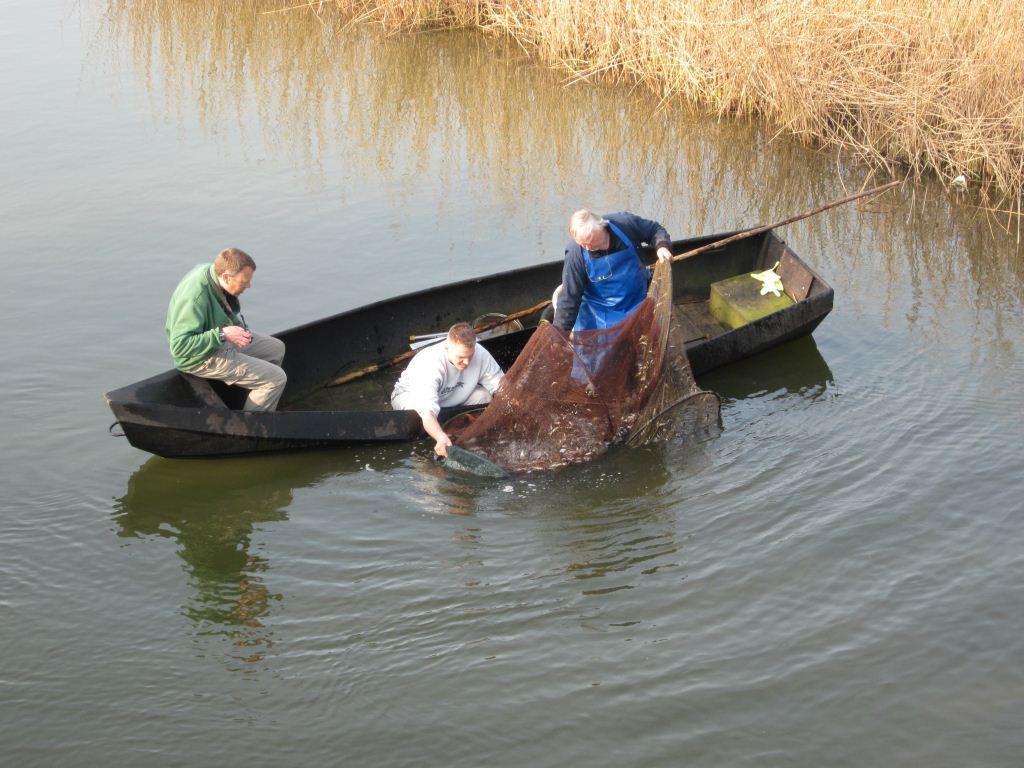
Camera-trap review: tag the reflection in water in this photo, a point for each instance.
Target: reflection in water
(442, 491)
(796, 367)
(450, 106)
(587, 514)
(211, 509)
(461, 111)
(607, 541)
(921, 262)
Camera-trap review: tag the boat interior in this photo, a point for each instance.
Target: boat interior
(372, 392)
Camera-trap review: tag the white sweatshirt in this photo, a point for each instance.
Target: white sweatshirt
(430, 382)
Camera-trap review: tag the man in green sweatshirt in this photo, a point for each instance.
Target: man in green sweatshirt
(208, 336)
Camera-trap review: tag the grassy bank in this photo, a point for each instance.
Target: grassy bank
(903, 85)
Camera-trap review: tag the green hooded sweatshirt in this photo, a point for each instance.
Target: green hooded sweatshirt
(195, 316)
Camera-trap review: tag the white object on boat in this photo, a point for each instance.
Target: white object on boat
(772, 281)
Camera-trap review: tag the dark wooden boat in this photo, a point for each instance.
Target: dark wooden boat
(174, 415)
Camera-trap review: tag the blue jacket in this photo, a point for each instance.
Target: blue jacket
(574, 271)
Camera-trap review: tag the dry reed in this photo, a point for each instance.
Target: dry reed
(904, 85)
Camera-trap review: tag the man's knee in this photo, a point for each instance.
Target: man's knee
(271, 349)
(277, 378)
(267, 348)
(267, 393)
(266, 377)
(278, 350)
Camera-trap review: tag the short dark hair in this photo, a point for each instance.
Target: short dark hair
(462, 333)
(231, 261)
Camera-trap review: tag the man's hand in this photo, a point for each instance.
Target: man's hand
(433, 428)
(664, 254)
(237, 335)
(441, 446)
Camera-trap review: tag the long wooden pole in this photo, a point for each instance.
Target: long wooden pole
(346, 378)
(806, 214)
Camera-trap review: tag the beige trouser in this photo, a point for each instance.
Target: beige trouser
(256, 367)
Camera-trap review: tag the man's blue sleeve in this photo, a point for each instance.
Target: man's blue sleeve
(574, 282)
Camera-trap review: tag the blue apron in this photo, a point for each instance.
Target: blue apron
(617, 284)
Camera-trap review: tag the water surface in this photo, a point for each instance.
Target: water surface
(834, 579)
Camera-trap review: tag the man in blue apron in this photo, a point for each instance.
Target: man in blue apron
(603, 279)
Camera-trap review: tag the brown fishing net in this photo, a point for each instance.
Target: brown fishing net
(567, 398)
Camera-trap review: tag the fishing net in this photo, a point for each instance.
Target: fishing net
(568, 397)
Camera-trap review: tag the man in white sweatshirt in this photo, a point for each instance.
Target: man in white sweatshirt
(457, 371)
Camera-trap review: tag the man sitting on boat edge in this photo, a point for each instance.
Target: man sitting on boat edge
(457, 371)
(207, 333)
(603, 279)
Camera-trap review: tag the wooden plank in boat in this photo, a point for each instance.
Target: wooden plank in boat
(689, 330)
(795, 276)
(696, 321)
(202, 389)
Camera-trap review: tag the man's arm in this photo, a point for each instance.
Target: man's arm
(433, 428)
(641, 230)
(574, 282)
(424, 384)
(188, 334)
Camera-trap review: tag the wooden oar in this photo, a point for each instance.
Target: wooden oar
(344, 379)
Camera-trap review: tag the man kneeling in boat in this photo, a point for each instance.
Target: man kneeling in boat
(208, 335)
(457, 371)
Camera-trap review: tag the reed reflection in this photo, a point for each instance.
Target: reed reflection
(455, 105)
(458, 111)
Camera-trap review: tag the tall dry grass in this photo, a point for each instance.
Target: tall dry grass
(903, 85)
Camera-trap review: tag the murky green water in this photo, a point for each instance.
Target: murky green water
(834, 580)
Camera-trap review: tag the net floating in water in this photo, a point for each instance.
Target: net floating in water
(568, 397)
